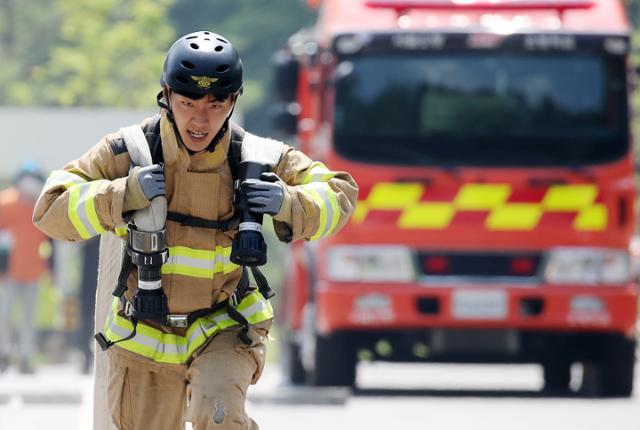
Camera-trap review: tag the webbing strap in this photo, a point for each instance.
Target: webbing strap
(193, 221)
(125, 270)
(235, 150)
(261, 281)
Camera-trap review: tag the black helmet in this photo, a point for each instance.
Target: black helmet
(203, 63)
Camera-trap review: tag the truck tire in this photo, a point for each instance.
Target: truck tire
(293, 370)
(334, 362)
(557, 375)
(616, 367)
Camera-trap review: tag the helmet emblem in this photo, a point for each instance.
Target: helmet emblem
(204, 82)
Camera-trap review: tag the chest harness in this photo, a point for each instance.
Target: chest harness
(130, 257)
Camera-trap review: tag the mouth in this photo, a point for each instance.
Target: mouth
(197, 136)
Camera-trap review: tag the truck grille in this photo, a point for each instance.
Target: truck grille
(512, 266)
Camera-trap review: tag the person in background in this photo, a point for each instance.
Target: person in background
(27, 251)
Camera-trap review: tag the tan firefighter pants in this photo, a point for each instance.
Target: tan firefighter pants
(209, 392)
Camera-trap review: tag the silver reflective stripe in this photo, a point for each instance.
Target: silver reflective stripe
(254, 309)
(149, 342)
(320, 189)
(195, 263)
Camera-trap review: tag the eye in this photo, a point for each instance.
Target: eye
(187, 103)
(216, 106)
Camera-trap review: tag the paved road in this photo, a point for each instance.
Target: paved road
(389, 397)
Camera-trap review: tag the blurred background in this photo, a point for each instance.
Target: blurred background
(72, 71)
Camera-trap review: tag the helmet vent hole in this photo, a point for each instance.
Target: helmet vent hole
(188, 65)
(219, 48)
(222, 40)
(192, 37)
(195, 46)
(225, 83)
(207, 39)
(223, 68)
(182, 79)
(206, 32)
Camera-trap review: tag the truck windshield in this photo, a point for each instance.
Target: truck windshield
(501, 109)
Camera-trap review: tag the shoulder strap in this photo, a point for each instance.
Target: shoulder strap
(234, 154)
(152, 134)
(137, 145)
(262, 150)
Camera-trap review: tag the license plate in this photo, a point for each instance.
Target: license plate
(486, 304)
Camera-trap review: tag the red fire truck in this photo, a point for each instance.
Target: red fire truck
(491, 143)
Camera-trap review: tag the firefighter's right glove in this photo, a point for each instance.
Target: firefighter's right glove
(143, 184)
(151, 180)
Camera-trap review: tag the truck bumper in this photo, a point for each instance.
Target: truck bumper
(568, 309)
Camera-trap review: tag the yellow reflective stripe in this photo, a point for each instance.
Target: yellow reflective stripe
(318, 172)
(92, 214)
(199, 263)
(394, 196)
(481, 196)
(82, 211)
(171, 348)
(592, 218)
(72, 211)
(514, 216)
(492, 198)
(62, 178)
(360, 213)
(427, 215)
(569, 197)
(121, 231)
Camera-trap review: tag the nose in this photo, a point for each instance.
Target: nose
(200, 117)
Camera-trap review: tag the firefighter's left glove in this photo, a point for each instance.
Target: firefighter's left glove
(265, 195)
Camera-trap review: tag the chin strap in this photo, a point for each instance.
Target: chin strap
(165, 106)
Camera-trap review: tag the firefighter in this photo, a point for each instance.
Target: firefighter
(28, 251)
(198, 372)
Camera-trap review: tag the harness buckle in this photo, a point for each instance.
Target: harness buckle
(178, 320)
(235, 299)
(128, 308)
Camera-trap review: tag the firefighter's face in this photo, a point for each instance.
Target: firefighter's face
(200, 120)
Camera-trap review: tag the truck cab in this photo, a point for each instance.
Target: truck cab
(491, 142)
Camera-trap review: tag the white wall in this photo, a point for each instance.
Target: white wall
(54, 136)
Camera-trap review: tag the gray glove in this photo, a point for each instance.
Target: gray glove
(264, 195)
(151, 179)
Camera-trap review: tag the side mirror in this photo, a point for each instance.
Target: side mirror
(285, 81)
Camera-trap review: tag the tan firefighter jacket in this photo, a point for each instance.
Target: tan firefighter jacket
(95, 193)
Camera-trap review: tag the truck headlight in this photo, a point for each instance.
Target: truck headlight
(375, 263)
(589, 266)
